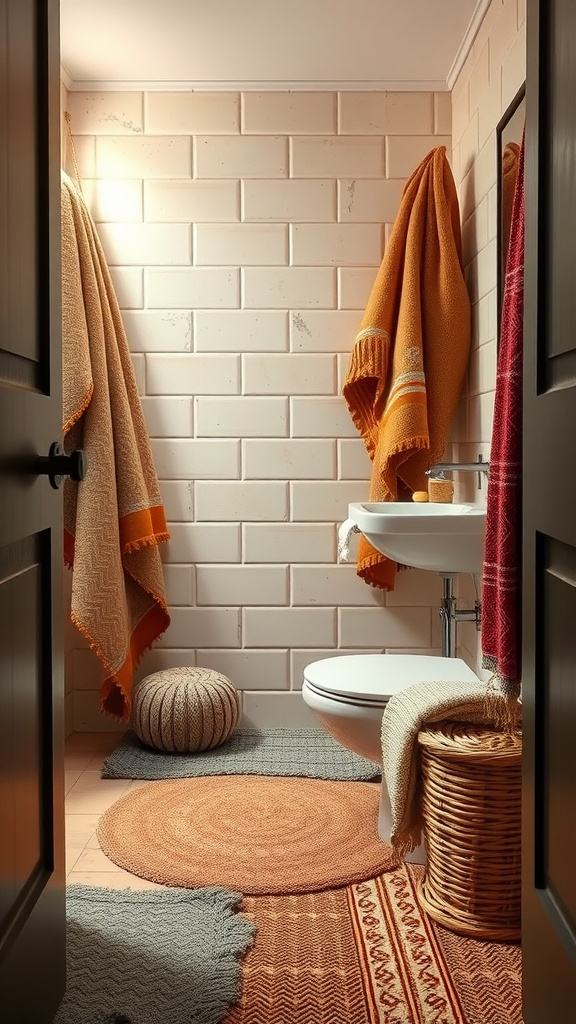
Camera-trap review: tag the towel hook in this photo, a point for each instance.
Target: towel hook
(56, 465)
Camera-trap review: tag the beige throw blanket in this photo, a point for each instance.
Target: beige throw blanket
(406, 713)
(114, 519)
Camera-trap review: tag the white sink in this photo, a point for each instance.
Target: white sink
(427, 535)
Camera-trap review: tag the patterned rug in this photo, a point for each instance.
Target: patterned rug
(366, 954)
(147, 957)
(307, 753)
(254, 834)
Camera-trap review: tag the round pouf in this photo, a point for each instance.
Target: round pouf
(185, 710)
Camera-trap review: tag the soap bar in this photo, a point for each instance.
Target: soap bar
(441, 490)
(420, 496)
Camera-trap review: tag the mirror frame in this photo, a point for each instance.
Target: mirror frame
(500, 127)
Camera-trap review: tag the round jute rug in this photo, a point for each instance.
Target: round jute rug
(255, 834)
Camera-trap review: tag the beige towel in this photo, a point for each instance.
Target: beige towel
(114, 519)
(406, 713)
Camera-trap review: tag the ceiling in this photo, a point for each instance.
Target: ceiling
(402, 44)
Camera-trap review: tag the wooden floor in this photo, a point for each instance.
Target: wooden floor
(87, 797)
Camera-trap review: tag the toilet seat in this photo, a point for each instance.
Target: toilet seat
(356, 701)
(370, 679)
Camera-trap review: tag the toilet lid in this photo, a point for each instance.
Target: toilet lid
(375, 677)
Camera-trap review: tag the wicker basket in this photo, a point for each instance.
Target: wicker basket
(471, 789)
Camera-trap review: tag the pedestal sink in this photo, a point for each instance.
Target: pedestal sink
(427, 535)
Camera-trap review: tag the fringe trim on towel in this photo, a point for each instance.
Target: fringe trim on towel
(115, 692)
(146, 542)
(505, 710)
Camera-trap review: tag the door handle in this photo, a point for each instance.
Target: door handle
(56, 465)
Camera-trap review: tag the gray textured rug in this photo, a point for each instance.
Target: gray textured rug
(158, 957)
(307, 753)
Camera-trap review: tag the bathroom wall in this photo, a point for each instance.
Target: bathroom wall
(244, 233)
(489, 80)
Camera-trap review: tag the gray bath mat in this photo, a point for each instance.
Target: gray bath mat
(308, 753)
(150, 957)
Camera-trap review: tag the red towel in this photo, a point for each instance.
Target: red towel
(501, 581)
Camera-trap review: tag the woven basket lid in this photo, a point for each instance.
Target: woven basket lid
(456, 740)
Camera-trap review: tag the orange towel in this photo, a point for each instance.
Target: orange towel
(114, 519)
(410, 357)
(510, 161)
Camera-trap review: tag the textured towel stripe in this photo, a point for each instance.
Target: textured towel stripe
(412, 377)
(144, 522)
(415, 397)
(402, 393)
(373, 332)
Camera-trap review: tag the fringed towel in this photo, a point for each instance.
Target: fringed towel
(114, 519)
(410, 356)
(405, 714)
(501, 581)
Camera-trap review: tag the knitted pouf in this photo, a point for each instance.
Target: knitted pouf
(185, 709)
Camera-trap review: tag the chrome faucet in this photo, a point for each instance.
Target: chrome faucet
(440, 469)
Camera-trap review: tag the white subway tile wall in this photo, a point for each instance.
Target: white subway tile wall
(386, 113)
(244, 232)
(129, 286)
(491, 76)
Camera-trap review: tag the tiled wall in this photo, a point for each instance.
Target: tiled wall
(490, 78)
(244, 233)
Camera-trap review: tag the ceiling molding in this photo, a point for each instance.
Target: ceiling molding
(65, 78)
(467, 42)
(231, 86)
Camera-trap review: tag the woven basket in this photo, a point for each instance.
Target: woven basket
(470, 801)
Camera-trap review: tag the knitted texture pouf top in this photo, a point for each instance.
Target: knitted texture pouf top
(185, 710)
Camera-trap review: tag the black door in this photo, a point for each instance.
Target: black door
(549, 655)
(32, 893)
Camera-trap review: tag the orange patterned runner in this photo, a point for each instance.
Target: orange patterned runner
(402, 963)
(366, 954)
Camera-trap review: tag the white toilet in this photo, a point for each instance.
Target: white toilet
(348, 695)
